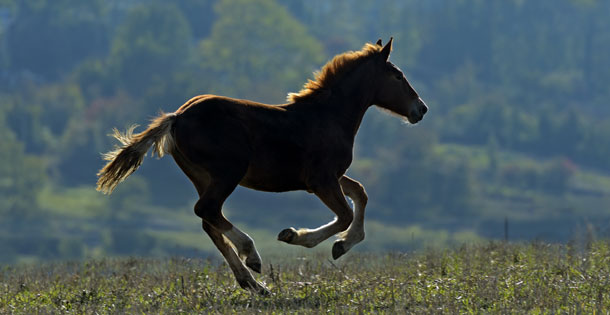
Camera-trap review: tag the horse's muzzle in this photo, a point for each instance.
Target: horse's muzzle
(418, 110)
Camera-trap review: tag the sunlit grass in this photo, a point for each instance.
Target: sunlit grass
(492, 277)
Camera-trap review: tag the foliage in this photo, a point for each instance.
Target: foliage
(518, 128)
(21, 177)
(148, 46)
(494, 278)
(48, 37)
(251, 47)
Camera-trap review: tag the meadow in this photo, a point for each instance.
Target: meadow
(494, 277)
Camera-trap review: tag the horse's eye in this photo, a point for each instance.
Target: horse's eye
(399, 77)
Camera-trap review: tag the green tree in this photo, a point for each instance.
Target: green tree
(343, 25)
(46, 118)
(258, 50)
(149, 46)
(21, 176)
(199, 14)
(49, 36)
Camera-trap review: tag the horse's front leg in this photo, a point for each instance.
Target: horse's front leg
(332, 196)
(355, 233)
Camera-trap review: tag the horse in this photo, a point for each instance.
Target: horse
(305, 144)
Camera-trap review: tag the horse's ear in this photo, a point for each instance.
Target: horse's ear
(385, 51)
(379, 42)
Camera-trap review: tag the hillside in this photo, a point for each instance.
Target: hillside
(517, 134)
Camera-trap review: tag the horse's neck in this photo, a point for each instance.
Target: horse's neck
(354, 98)
(345, 104)
(352, 113)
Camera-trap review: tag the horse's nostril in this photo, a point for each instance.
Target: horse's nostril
(424, 109)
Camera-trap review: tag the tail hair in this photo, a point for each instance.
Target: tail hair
(126, 158)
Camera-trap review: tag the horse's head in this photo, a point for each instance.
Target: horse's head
(393, 91)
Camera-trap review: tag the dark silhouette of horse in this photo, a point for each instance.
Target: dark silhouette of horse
(305, 144)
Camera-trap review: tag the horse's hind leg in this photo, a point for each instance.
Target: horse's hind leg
(355, 233)
(245, 247)
(223, 233)
(210, 205)
(242, 275)
(209, 209)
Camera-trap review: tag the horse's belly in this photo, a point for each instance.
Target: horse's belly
(272, 180)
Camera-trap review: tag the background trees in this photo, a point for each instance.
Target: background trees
(252, 52)
(518, 126)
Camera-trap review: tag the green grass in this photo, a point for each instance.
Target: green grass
(492, 278)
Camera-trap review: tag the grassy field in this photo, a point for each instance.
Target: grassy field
(537, 278)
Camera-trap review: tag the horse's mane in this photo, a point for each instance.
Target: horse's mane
(333, 71)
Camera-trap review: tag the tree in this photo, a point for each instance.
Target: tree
(49, 36)
(21, 176)
(257, 50)
(150, 44)
(199, 14)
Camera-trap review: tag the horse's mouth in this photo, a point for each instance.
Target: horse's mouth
(415, 120)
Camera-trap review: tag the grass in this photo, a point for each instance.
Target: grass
(495, 277)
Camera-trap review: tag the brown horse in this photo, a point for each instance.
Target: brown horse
(306, 144)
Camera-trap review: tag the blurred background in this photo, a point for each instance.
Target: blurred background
(515, 145)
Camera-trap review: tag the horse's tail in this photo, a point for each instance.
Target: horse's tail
(126, 159)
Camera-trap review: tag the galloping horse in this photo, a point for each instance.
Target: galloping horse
(305, 144)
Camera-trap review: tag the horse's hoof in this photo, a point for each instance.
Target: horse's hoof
(254, 265)
(254, 287)
(253, 261)
(338, 249)
(264, 291)
(287, 235)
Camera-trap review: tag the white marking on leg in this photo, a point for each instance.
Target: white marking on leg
(355, 233)
(245, 247)
(240, 239)
(312, 237)
(242, 275)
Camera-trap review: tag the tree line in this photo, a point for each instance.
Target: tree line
(517, 92)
